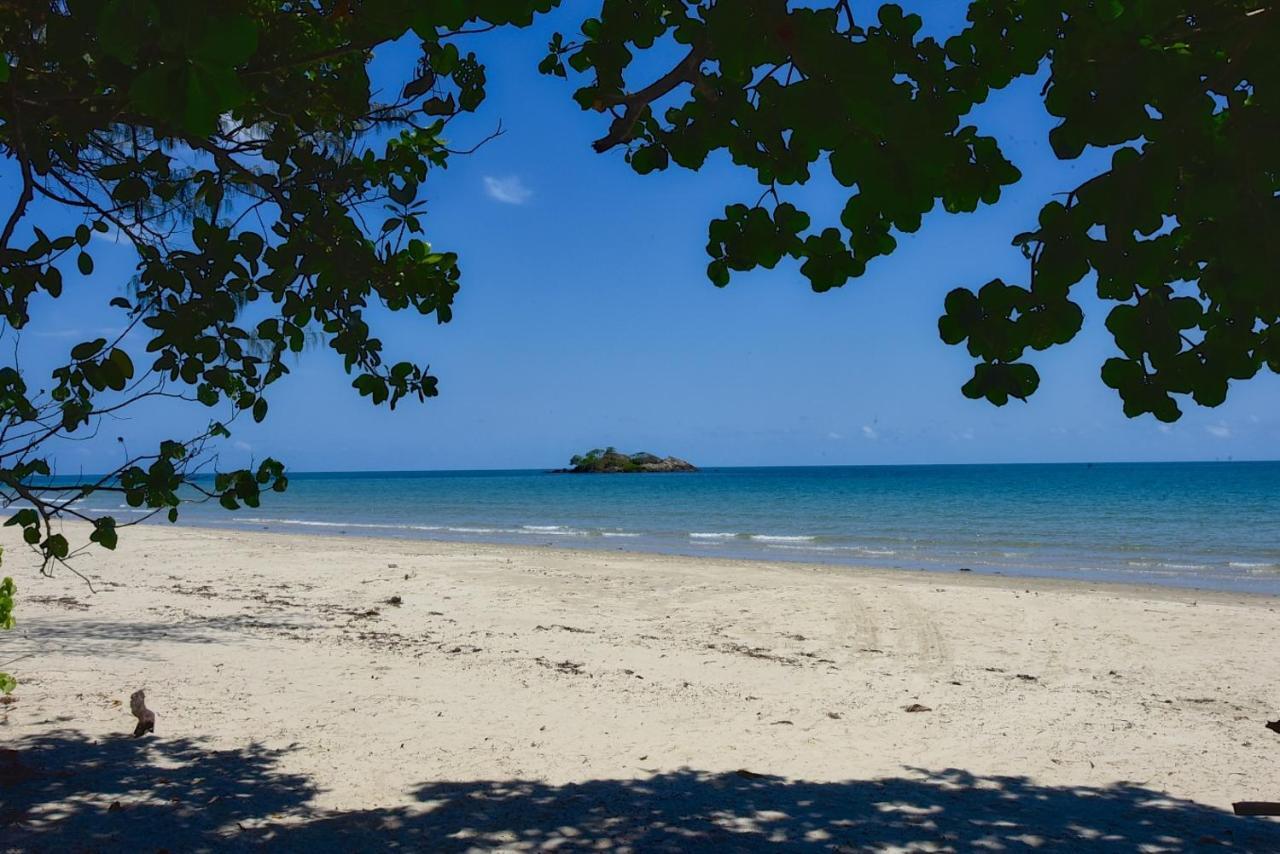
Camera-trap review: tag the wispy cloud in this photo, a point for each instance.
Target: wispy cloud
(1219, 430)
(509, 190)
(870, 432)
(834, 436)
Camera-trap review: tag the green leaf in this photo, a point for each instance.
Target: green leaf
(228, 41)
(88, 349)
(104, 532)
(84, 263)
(56, 545)
(8, 590)
(120, 359)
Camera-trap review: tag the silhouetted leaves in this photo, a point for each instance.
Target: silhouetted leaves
(239, 150)
(1180, 229)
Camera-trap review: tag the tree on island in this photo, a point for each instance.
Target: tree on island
(268, 196)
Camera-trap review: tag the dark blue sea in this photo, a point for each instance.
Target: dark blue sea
(1213, 525)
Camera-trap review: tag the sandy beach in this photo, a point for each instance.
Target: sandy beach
(355, 694)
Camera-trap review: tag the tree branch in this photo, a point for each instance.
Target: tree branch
(685, 71)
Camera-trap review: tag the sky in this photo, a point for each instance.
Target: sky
(585, 319)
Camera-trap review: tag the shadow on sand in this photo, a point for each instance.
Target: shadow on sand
(57, 792)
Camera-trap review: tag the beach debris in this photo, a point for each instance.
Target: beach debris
(835, 716)
(573, 667)
(1026, 677)
(395, 600)
(146, 717)
(1274, 726)
(965, 569)
(393, 566)
(572, 629)
(1271, 808)
(916, 707)
(782, 723)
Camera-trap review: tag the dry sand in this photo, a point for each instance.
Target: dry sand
(530, 698)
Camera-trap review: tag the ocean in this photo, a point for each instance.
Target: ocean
(1211, 525)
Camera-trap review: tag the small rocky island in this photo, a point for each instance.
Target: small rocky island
(612, 461)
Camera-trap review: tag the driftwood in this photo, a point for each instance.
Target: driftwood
(146, 717)
(1256, 807)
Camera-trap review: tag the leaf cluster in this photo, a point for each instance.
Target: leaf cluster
(1177, 233)
(271, 198)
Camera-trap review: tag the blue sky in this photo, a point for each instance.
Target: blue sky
(586, 319)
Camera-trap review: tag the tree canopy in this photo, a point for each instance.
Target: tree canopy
(267, 193)
(1178, 232)
(271, 197)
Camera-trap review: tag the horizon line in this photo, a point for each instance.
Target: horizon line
(550, 469)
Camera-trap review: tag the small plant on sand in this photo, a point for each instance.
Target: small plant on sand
(7, 589)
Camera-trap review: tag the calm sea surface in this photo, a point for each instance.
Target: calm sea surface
(1188, 524)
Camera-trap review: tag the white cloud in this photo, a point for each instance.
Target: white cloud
(242, 446)
(834, 435)
(1165, 428)
(1219, 430)
(509, 190)
(870, 432)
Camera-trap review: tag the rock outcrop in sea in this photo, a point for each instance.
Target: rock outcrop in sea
(612, 461)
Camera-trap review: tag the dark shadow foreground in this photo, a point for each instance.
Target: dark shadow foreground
(57, 791)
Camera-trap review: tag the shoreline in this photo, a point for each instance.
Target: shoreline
(1192, 584)
(456, 696)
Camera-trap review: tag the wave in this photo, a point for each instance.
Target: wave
(542, 528)
(617, 534)
(802, 548)
(312, 523)
(1240, 564)
(777, 538)
(484, 530)
(712, 536)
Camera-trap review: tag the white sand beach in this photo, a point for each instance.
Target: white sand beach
(529, 699)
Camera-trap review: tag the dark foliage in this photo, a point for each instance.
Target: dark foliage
(1178, 231)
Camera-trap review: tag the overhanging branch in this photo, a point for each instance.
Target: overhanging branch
(686, 71)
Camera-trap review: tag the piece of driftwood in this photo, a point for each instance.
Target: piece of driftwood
(1256, 807)
(1274, 726)
(146, 717)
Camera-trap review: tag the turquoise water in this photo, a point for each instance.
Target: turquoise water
(1191, 524)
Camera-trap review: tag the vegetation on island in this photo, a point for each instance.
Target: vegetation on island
(271, 197)
(612, 461)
